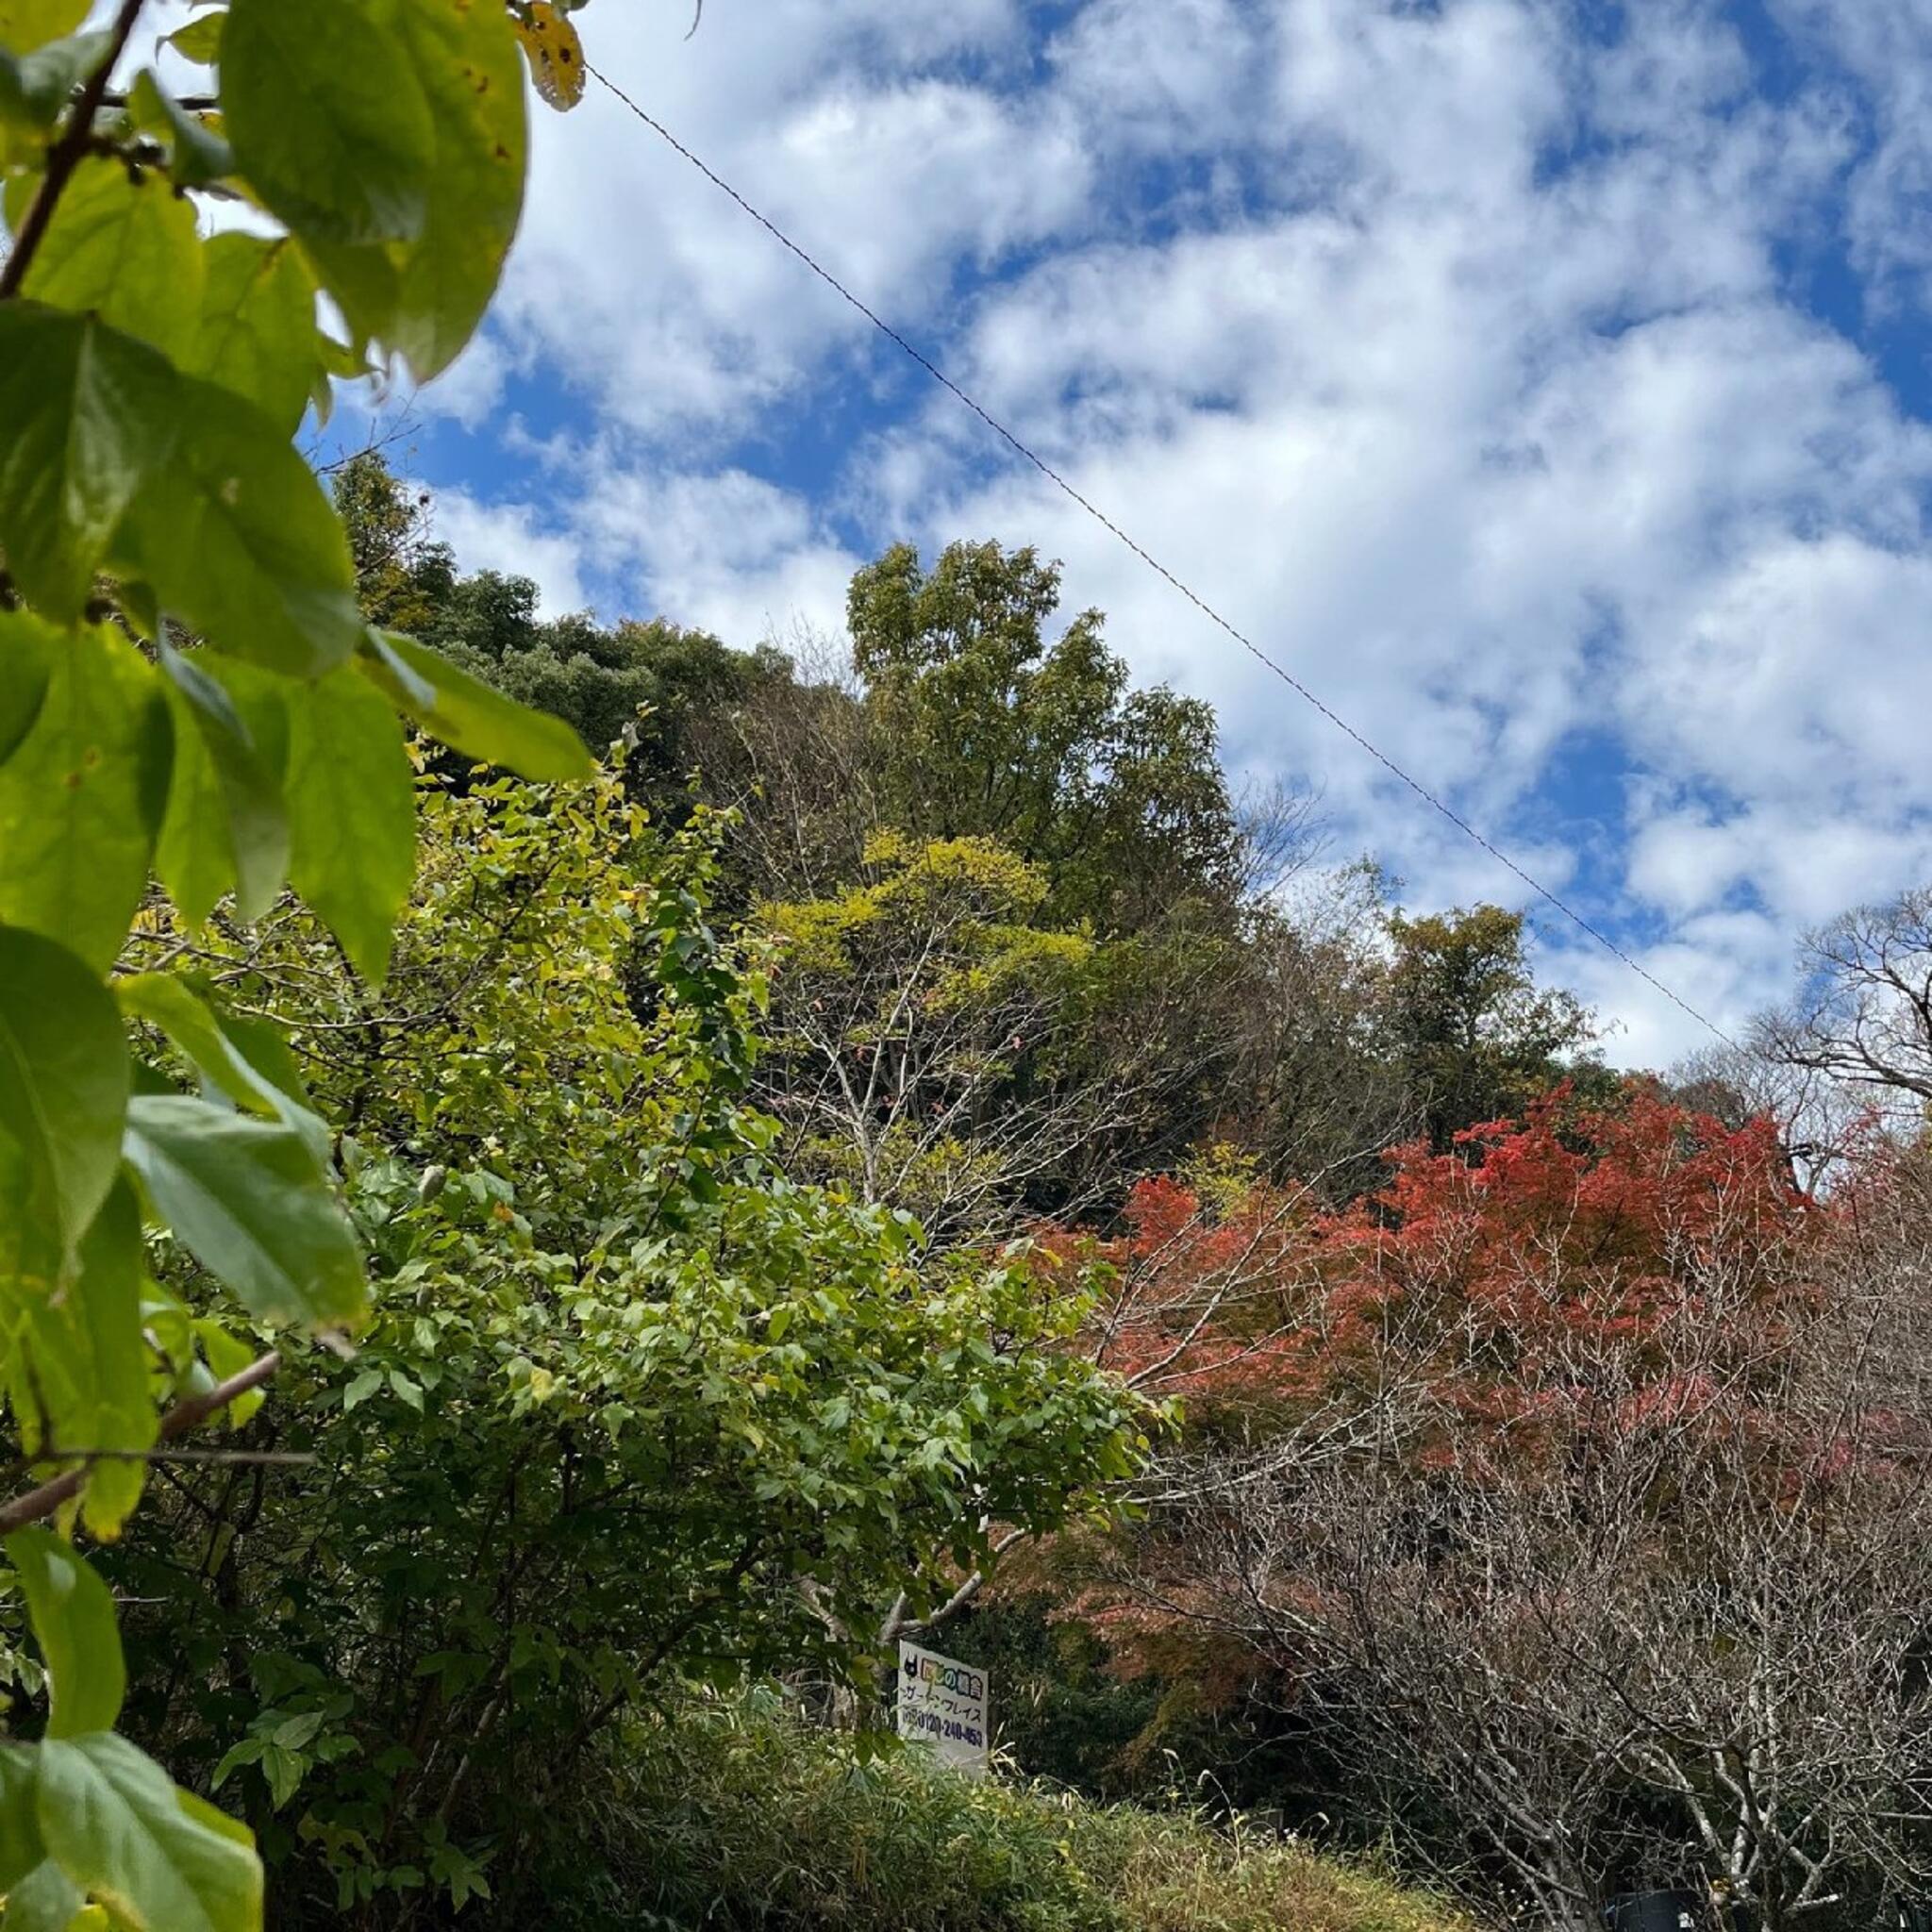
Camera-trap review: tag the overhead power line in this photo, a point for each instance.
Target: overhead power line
(1154, 563)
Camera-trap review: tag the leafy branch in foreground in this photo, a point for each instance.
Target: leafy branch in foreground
(190, 694)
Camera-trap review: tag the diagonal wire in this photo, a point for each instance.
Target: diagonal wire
(1155, 564)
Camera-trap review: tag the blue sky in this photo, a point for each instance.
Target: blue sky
(1546, 382)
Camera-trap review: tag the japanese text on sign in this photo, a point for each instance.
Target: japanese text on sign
(943, 1705)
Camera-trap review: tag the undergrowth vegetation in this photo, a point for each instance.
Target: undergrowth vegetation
(737, 1818)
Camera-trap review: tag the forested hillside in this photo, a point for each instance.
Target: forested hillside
(1486, 1379)
(565, 1184)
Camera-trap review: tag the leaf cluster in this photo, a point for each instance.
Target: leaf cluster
(629, 1409)
(192, 704)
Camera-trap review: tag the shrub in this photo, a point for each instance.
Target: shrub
(734, 1817)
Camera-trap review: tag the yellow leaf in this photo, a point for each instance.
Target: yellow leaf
(25, 25)
(554, 53)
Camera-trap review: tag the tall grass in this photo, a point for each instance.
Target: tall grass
(735, 1819)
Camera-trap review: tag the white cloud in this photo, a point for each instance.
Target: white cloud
(1160, 75)
(725, 550)
(1884, 48)
(508, 537)
(1449, 352)
(636, 280)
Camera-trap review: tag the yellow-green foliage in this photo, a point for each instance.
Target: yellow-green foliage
(1174, 1872)
(962, 904)
(746, 1823)
(1000, 880)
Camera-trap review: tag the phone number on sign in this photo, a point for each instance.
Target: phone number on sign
(950, 1730)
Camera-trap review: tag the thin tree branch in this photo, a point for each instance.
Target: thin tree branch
(188, 104)
(43, 1502)
(65, 156)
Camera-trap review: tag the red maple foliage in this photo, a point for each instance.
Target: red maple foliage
(1496, 1281)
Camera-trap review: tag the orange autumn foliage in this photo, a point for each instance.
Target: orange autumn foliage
(1491, 1280)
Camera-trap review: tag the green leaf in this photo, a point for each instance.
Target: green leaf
(82, 796)
(194, 854)
(228, 1355)
(33, 90)
(20, 1850)
(328, 116)
(296, 1733)
(200, 40)
(245, 1751)
(123, 248)
(337, 360)
(198, 155)
(226, 1063)
(239, 835)
(248, 1200)
(362, 1385)
(465, 713)
(160, 1859)
(63, 1097)
(28, 651)
(46, 1900)
(72, 1618)
(237, 539)
(257, 326)
(78, 1370)
(352, 809)
(262, 1044)
(423, 295)
(90, 415)
(28, 23)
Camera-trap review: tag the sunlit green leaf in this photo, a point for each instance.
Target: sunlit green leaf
(257, 326)
(200, 40)
(28, 23)
(423, 295)
(228, 1355)
(64, 1094)
(117, 1827)
(72, 1618)
(225, 1053)
(20, 1850)
(28, 649)
(239, 834)
(248, 1200)
(265, 1047)
(82, 796)
(194, 855)
(35, 87)
(80, 1370)
(239, 542)
(464, 712)
(122, 246)
(353, 813)
(196, 153)
(46, 1900)
(91, 415)
(327, 114)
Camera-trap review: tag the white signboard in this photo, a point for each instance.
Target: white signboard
(943, 1705)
